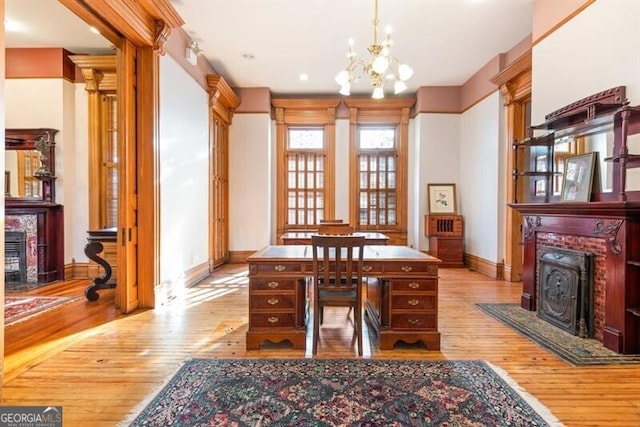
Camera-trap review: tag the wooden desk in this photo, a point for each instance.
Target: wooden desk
(304, 238)
(401, 305)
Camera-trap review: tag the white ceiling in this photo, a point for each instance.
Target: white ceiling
(445, 41)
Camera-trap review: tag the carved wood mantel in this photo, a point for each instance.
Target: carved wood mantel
(617, 225)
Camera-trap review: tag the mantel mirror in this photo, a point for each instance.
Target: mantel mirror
(30, 164)
(599, 141)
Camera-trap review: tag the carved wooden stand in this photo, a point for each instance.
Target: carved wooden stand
(92, 249)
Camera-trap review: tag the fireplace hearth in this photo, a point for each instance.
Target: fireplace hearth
(565, 289)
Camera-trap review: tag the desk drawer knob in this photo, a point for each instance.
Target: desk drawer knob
(279, 267)
(414, 285)
(272, 319)
(413, 302)
(272, 285)
(273, 301)
(414, 321)
(367, 268)
(406, 268)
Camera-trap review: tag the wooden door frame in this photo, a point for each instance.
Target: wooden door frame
(222, 102)
(139, 29)
(515, 87)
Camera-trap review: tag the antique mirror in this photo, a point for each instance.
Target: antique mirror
(30, 165)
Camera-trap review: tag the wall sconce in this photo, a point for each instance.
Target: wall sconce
(192, 53)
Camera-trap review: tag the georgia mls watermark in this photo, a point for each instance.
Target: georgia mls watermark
(30, 416)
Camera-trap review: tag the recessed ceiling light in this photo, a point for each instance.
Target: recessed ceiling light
(94, 30)
(304, 77)
(247, 56)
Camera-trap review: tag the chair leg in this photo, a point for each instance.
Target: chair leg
(317, 311)
(358, 325)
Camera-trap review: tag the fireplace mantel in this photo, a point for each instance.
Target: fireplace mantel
(616, 226)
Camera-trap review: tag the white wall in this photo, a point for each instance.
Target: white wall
(184, 172)
(251, 191)
(79, 155)
(596, 50)
(437, 161)
(480, 169)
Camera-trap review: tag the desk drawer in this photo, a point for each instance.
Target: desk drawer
(414, 285)
(279, 267)
(272, 301)
(272, 284)
(414, 302)
(371, 268)
(414, 321)
(412, 267)
(272, 320)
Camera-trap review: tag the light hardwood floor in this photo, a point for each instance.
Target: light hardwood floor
(99, 365)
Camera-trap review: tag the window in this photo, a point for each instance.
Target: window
(377, 193)
(109, 164)
(378, 160)
(305, 139)
(305, 177)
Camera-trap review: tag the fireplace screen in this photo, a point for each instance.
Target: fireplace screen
(565, 294)
(15, 257)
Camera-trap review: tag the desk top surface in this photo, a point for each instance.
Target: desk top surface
(371, 253)
(308, 234)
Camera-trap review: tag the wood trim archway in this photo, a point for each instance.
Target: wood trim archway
(139, 29)
(515, 87)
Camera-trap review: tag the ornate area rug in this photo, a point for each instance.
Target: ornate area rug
(575, 350)
(349, 392)
(19, 309)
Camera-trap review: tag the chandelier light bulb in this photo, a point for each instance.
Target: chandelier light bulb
(380, 64)
(342, 78)
(404, 72)
(399, 86)
(345, 89)
(378, 93)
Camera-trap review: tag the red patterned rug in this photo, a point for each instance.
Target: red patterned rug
(18, 309)
(354, 392)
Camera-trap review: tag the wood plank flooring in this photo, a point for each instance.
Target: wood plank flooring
(100, 365)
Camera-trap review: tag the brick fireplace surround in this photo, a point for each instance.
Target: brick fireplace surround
(611, 231)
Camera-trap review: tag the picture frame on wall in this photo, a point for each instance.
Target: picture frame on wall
(441, 199)
(577, 184)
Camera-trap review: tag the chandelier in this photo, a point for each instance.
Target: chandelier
(382, 66)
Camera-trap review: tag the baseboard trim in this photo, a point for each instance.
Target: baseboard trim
(483, 266)
(236, 257)
(81, 270)
(196, 274)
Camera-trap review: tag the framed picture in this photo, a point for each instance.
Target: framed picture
(578, 178)
(441, 198)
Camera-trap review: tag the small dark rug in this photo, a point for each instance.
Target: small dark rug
(23, 287)
(573, 349)
(352, 392)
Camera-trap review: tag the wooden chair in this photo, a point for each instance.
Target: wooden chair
(337, 279)
(335, 228)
